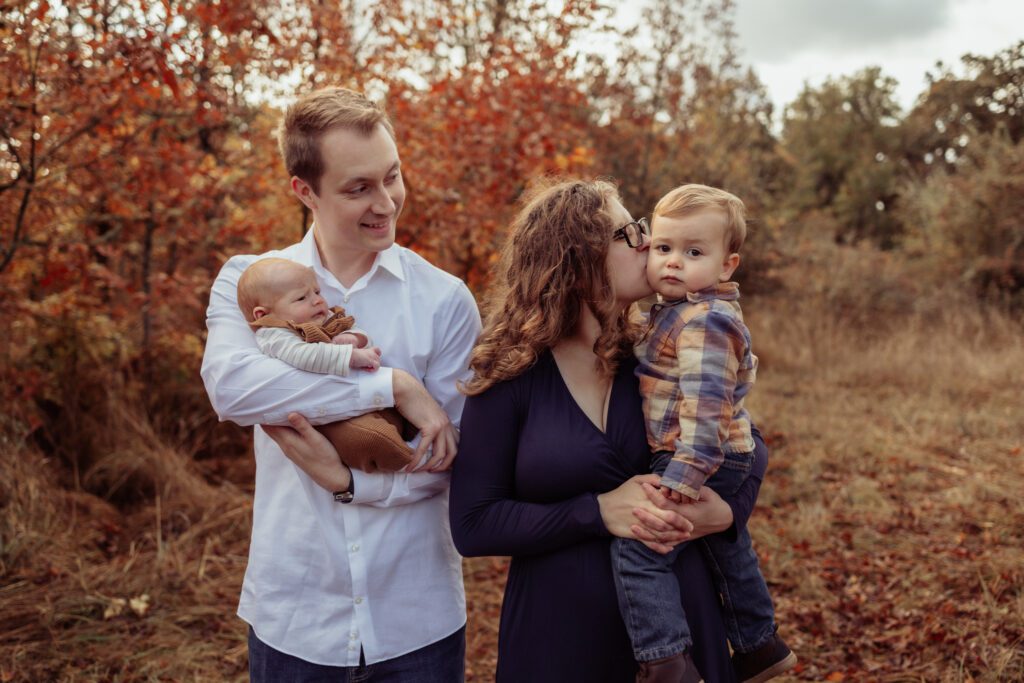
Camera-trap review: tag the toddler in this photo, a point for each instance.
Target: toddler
(695, 369)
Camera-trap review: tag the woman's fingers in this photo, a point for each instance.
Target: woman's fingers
(656, 497)
(656, 542)
(678, 530)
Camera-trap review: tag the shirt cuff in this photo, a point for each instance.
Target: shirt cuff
(367, 488)
(376, 389)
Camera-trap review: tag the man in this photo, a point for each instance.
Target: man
(350, 574)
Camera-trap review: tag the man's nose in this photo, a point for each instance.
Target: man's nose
(384, 205)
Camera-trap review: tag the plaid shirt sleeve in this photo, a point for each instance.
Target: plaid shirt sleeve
(708, 357)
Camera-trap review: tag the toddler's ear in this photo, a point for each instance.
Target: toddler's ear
(259, 312)
(732, 262)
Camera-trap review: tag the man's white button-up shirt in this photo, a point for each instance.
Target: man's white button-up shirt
(381, 573)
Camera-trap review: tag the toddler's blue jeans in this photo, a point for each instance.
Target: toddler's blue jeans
(648, 591)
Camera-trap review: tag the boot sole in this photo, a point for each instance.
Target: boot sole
(774, 670)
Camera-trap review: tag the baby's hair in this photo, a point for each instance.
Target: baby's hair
(689, 199)
(257, 286)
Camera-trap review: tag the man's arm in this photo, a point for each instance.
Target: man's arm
(707, 356)
(247, 387)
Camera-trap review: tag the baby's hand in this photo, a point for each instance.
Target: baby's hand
(365, 359)
(346, 338)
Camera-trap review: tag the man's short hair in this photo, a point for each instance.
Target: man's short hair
(316, 113)
(689, 199)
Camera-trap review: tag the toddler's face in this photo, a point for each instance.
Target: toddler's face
(299, 299)
(689, 254)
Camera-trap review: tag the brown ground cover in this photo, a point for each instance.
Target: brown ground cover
(890, 527)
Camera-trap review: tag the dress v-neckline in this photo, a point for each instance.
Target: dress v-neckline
(606, 405)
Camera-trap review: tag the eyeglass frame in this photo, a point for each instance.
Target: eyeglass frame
(642, 225)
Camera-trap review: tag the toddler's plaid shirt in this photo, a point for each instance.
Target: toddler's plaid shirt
(695, 369)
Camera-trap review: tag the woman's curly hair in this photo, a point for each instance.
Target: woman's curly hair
(551, 266)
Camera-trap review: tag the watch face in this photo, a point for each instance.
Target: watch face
(343, 496)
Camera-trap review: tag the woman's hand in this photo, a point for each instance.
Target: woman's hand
(311, 452)
(660, 528)
(707, 515)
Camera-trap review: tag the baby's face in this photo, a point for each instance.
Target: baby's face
(689, 254)
(299, 299)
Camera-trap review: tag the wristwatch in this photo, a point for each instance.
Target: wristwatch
(346, 495)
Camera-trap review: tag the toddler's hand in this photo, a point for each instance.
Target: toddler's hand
(365, 359)
(674, 495)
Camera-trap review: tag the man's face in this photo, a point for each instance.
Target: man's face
(360, 196)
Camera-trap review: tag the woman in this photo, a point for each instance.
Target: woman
(553, 442)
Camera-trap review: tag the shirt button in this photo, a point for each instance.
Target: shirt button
(355, 547)
(353, 635)
(359, 601)
(345, 298)
(352, 648)
(321, 412)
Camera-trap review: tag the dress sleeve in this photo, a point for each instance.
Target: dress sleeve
(486, 516)
(742, 502)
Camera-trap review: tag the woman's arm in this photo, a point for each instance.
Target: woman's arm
(486, 516)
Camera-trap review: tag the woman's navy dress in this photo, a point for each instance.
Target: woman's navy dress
(524, 484)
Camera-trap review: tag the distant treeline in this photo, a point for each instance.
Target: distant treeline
(137, 153)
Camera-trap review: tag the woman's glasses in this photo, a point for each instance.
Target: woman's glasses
(633, 232)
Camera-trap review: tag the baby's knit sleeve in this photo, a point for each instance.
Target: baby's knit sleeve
(319, 357)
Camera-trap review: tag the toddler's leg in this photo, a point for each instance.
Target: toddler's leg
(648, 593)
(747, 607)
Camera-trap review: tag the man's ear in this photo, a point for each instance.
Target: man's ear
(304, 191)
(259, 312)
(729, 267)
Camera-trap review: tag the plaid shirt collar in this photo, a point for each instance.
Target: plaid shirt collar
(726, 291)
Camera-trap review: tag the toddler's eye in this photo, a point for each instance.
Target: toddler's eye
(693, 252)
(663, 248)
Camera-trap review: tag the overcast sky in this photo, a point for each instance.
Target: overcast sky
(789, 42)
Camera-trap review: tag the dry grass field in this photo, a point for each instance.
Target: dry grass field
(891, 525)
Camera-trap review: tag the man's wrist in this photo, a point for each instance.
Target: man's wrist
(345, 493)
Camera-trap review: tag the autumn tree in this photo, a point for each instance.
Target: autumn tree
(496, 101)
(965, 144)
(985, 96)
(844, 139)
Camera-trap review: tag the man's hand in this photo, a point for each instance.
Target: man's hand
(424, 413)
(311, 452)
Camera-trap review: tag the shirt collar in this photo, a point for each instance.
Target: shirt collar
(725, 291)
(390, 259)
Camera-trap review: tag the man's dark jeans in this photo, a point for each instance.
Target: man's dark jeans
(440, 662)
